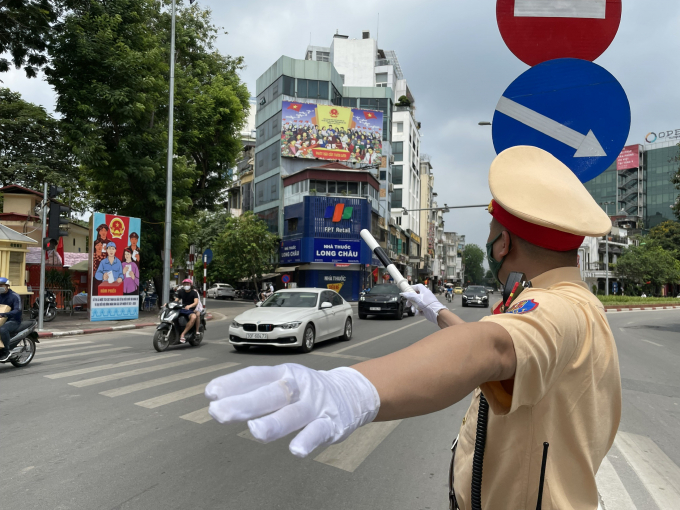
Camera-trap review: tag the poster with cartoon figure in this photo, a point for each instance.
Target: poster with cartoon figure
(114, 274)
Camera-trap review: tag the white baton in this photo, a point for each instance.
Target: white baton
(401, 282)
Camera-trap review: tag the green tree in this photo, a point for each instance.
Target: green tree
(244, 250)
(109, 68)
(489, 279)
(24, 31)
(667, 236)
(404, 101)
(473, 258)
(32, 149)
(648, 266)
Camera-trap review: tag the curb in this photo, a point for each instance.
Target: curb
(639, 308)
(51, 334)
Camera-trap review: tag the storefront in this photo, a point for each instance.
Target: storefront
(322, 240)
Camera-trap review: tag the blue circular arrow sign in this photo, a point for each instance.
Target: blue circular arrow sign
(572, 108)
(208, 254)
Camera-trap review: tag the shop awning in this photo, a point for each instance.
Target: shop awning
(287, 269)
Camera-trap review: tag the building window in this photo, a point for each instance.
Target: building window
(289, 86)
(398, 151)
(396, 199)
(322, 56)
(336, 97)
(292, 225)
(267, 191)
(397, 174)
(271, 218)
(383, 175)
(400, 127)
(381, 80)
(312, 89)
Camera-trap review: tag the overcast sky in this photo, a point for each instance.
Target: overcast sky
(457, 67)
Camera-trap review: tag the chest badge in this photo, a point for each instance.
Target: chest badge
(523, 307)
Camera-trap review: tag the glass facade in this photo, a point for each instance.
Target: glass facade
(603, 188)
(661, 165)
(271, 218)
(267, 191)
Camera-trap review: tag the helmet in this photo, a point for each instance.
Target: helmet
(5, 281)
(188, 280)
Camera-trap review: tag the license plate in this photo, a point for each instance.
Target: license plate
(375, 309)
(256, 336)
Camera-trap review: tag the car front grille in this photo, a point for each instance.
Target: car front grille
(265, 328)
(249, 327)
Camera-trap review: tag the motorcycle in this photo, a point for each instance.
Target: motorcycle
(49, 310)
(22, 344)
(171, 326)
(449, 296)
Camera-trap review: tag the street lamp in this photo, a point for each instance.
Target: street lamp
(606, 238)
(168, 192)
(484, 123)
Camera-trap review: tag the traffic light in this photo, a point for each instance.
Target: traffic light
(54, 231)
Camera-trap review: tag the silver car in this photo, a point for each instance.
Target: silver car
(221, 291)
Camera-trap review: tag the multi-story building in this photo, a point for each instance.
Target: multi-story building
(454, 246)
(426, 217)
(637, 193)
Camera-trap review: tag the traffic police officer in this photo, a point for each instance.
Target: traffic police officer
(546, 364)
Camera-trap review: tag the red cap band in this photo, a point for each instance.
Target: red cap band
(545, 237)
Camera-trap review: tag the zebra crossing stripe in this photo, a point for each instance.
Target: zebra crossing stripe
(611, 488)
(349, 454)
(201, 416)
(62, 343)
(78, 354)
(155, 402)
(124, 390)
(89, 370)
(659, 474)
(59, 350)
(130, 373)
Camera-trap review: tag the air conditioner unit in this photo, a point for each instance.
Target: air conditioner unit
(390, 187)
(391, 159)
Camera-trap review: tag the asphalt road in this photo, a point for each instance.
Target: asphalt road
(104, 422)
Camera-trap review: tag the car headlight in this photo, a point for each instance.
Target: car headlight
(464, 296)
(485, 297)
(290, 325)
(362, 298)
(235, 325)
(394, 299)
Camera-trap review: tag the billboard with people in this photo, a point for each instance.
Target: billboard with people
(331, 133)
(115, 267)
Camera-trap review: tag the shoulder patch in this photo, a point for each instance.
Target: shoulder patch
(523, 307)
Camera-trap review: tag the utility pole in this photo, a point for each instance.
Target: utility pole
(168, 193)
(43, 252)
(606, 260)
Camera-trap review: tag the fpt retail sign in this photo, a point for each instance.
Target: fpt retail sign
(331, 133)
(330, 250)
(115, 266)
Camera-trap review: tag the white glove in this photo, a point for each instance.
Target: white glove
(426, 302)
(328, 406)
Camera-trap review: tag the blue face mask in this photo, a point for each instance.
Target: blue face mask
(494, 265)
(3, 290)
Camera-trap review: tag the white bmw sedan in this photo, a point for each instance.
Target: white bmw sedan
(293, 318)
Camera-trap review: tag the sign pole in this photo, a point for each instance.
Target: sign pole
(43, 252)
(205, 277)
(168, 193)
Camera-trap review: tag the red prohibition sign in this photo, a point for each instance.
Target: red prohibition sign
(540, 30)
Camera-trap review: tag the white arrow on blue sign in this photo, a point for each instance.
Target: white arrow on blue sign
(572, 108)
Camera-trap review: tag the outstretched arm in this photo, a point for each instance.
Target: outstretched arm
(440, 370)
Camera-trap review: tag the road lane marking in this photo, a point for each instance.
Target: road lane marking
(201, 416)
(162, 400)
(62, 343)
(130, 373)
(336, 355)
(89, 370)
(59, 350)
(62, 356)
(611, 488)
(650, 342)
(349, 454)
(379, 337)
(124, 390)
(142, 332)
(657, 472)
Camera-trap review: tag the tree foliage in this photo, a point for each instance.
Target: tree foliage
(109, 67)
(473, 258)
(243, 250)
(24, 29)
(648, 266)
(33, 151)
(667, 236)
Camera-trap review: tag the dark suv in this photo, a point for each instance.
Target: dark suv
(383, 299)
(476, 295)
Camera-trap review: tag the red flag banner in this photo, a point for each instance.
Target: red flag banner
(369, 115)
(295, 106)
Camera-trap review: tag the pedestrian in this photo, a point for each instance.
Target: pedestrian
(544, 368)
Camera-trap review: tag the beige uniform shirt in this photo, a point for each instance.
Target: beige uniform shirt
(567, 391)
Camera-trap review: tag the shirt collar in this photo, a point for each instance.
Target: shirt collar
(555, 276)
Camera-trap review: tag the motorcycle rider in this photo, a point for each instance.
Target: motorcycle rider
(189, 298)
(449, 293)
(10, 298)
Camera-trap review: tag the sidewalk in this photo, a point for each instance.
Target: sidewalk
(79, 324)
(637, 308)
